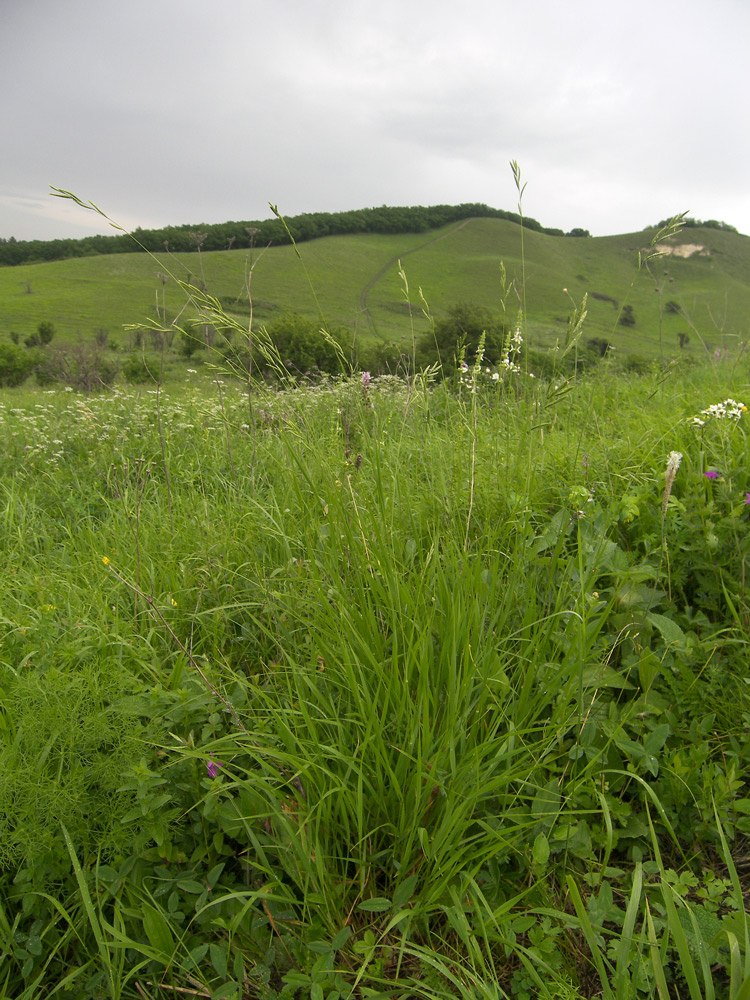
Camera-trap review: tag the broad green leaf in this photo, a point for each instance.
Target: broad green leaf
(602, 676)
(341, 938)
(405, 891)
(219, 960)
(158, 931)
(320, 947)
(670, 630)
(648, 668)
(656, 740)
(229, 991)
(547, 800)
(378, 904)
(541, 851)
(190, 885)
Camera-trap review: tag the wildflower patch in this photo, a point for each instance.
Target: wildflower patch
(730, 409)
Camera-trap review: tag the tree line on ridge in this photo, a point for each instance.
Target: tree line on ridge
(241, 235)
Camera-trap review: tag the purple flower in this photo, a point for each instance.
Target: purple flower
(366, 379)
(711, 474)
(213, 767)
(747, 498)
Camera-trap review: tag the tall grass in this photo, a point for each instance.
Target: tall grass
(472, 710)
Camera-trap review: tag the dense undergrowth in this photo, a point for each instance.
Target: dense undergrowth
(376, 688)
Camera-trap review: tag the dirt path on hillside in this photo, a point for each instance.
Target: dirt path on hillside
(363, 307)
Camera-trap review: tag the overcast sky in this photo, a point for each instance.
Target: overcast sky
(620, 112)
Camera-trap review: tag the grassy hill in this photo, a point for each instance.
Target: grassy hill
(354, 281)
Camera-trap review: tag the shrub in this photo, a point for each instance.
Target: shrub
(45, 332)
(627, 316)
(81, 366)
(139, 369)
(542, 363)
(637, 364)
(598, 346)
(15, 364)
(385, 359)
(190, 342)
(461, 330)
(303, 348)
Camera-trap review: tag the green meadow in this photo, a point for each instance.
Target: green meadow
(353, 282)
(381, 685)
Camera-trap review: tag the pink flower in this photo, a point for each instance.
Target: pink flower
(213, 767)
(747, 498)
(366, 379)
(711, 474)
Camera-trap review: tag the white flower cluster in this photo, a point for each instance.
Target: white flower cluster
(39, 434)
(470, 376)
(730, 409)
(514, 348)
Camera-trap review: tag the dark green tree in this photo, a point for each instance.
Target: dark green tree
(303, 348)
(45, 332)
(627, 316)
(15, 364)
(598, 345)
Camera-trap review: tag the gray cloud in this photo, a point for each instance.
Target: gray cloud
(172, 111)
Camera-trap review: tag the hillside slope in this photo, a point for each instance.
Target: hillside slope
(353, 280)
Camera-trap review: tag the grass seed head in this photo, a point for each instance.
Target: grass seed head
(673, 464)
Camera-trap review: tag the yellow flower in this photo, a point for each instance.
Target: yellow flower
(174, 603)
(105, 560)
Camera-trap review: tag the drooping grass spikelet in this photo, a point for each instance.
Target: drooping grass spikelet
(673, 464)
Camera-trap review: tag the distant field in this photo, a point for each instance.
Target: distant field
(354, 281)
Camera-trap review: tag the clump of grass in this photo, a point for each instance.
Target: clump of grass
(69, 748)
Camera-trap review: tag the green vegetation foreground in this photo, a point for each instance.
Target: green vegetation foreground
(375, 688)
